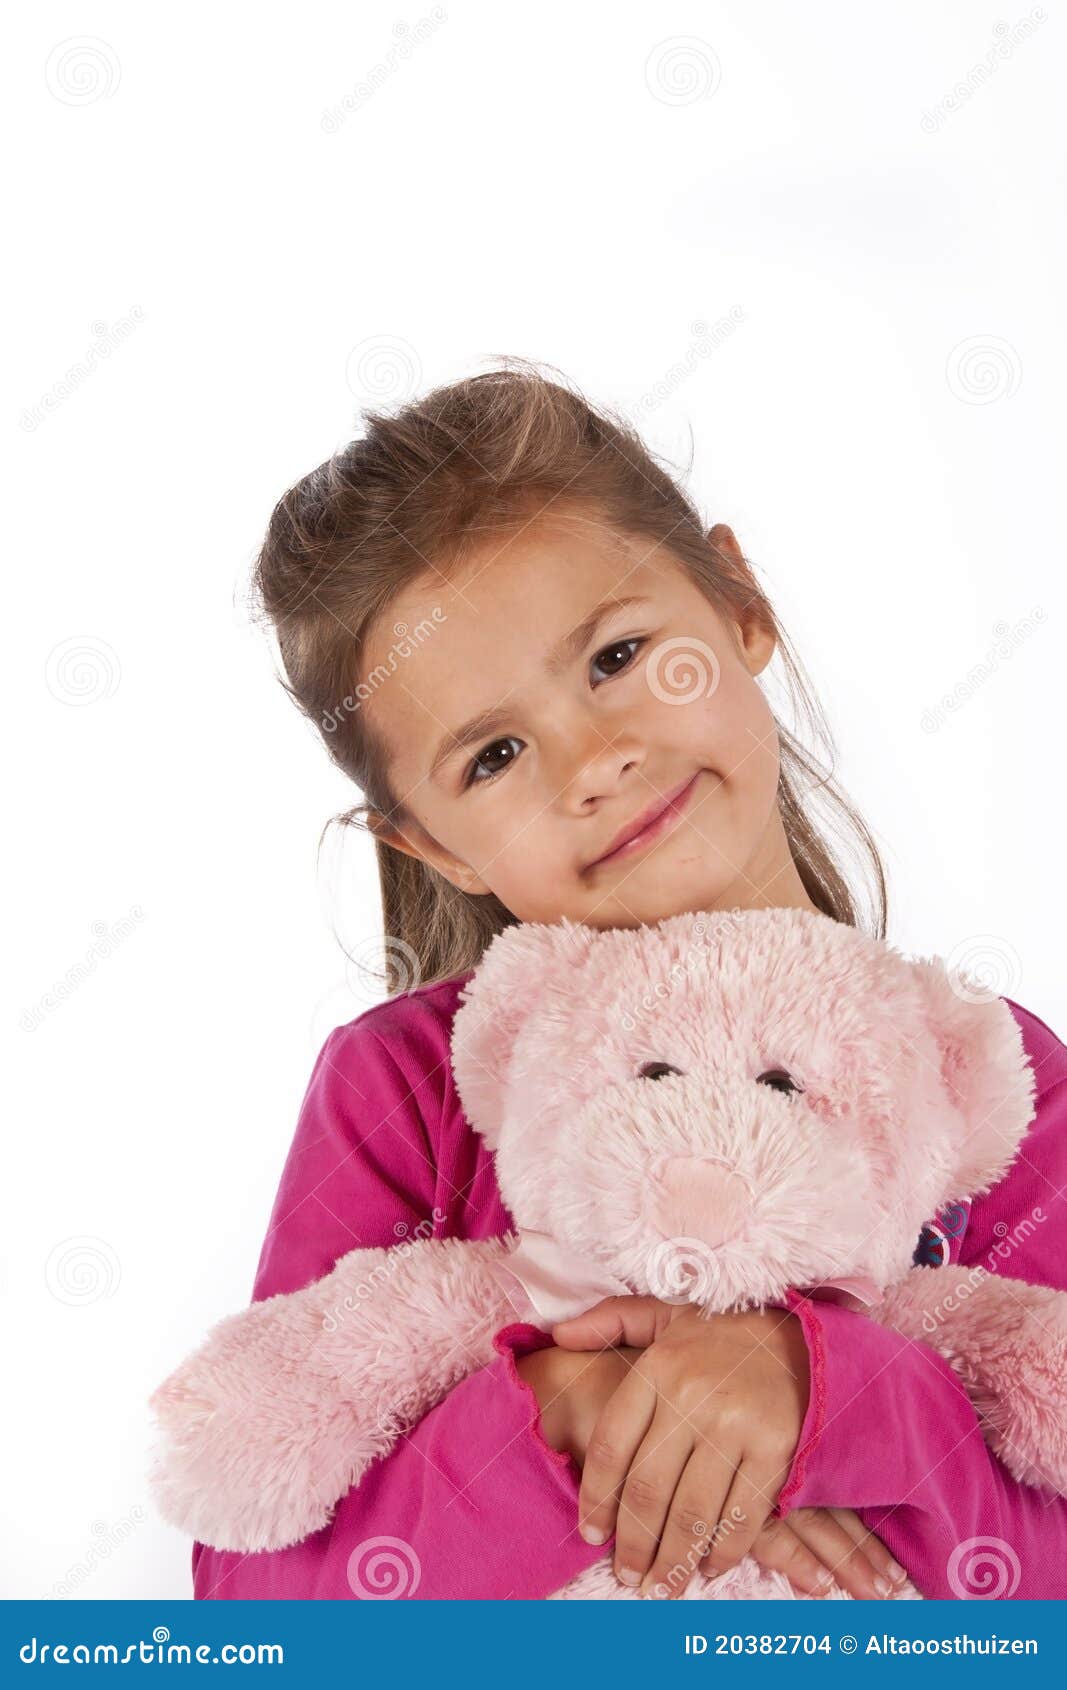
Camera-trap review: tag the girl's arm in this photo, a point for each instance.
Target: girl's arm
(474, 1503)
(890, 1429)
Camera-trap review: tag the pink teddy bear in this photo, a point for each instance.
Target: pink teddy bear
(719, 1109)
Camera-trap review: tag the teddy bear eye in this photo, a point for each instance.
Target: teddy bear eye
(656, 1070)
(779, 1080)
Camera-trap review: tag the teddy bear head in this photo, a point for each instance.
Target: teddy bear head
(725, 1105)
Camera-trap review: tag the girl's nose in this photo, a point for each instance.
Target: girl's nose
(693, 1197)
(596, 766)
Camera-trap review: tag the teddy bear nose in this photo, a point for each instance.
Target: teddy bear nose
(693, 1197)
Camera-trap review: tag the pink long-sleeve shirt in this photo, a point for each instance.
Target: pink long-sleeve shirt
(474, 1503)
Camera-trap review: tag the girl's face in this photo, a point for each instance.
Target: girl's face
(536, 724)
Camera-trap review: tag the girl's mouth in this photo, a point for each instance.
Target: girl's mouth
(666, 818)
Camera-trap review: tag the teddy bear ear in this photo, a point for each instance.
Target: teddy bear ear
(520, 967)
(984, 1069)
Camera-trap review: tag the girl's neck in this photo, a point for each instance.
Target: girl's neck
(770, 880)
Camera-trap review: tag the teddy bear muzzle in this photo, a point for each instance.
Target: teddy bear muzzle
(698, 1197)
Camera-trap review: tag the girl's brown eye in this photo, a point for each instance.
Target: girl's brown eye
(478, 763)
(628, 648)
(656, 1071)
(778, 1080)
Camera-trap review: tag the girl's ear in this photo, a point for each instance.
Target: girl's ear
(415, 842)
(520, 969)
(985, 1070)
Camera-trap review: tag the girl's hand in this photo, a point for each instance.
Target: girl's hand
(818, 1548)
(813, 1547)
(572, 1389)
(694, 1446)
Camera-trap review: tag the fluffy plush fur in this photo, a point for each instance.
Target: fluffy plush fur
(813, 1098)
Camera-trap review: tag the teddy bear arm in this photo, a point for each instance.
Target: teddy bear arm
(397, 1342)
(287, 1403)
(1007, 1341)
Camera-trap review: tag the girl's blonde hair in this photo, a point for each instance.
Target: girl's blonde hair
(414, 494)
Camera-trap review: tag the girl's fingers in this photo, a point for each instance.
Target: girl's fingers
(840, 1551)
(778, 1549)
(636, 1321)
(873, 1547)
(614, 1441)
(748, 1502)
(648, 1493)
(687, 1533)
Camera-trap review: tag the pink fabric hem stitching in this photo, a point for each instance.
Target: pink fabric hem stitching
(529, 1338)
(801, 1307)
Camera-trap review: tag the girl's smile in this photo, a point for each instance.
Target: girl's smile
(649, 827)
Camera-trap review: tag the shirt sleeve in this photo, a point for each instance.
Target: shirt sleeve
(436, 1518)
(890, 1430)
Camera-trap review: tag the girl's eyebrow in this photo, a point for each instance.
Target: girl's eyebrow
(564, 652)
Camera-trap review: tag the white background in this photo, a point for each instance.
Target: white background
(574, 183)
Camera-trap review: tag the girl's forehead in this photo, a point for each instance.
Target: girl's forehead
(526, 585)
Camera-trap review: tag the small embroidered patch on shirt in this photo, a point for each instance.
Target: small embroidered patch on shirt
(941, 1239)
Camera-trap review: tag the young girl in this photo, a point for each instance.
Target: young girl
(518, 639)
